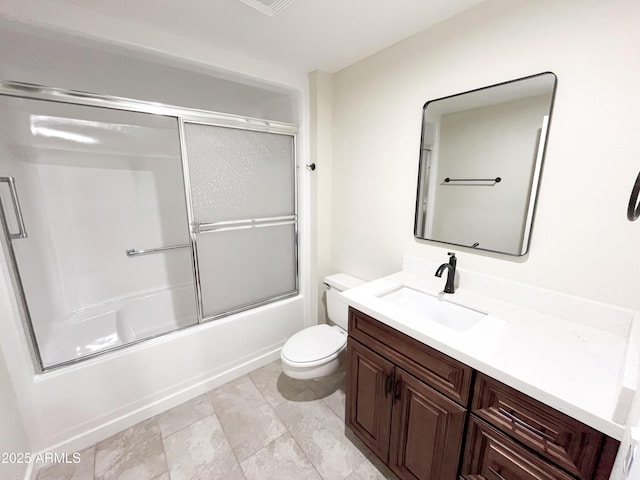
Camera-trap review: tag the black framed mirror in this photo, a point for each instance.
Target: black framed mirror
(480, 163)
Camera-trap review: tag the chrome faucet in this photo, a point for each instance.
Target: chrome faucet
(451, 274)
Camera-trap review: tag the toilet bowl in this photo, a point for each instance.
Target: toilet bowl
(319, 351)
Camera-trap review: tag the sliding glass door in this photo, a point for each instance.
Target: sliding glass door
(242, 190)
(93, 205)
(115, 215)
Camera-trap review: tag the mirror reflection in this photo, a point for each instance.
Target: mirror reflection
(480, 162)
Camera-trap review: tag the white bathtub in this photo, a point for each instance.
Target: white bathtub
(119, 322)
(74, 407)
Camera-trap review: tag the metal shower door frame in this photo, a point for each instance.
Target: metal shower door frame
(182, 115)
(196, 228)
(16, 283)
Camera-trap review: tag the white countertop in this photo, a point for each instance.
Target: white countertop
(574, 367)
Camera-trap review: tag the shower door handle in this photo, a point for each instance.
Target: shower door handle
(22, 232)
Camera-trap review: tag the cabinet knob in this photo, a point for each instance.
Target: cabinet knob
(398, 390)
(388, 384)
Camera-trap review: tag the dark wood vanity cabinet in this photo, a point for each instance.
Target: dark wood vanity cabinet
(411, 405)
(415, 429)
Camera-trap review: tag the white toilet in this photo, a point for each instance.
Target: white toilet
(319, 351)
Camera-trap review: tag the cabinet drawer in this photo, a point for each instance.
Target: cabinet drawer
(443, 373)
(490, 455)
(566, 442)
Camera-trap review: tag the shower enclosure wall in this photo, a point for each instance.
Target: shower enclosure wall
(126, 220)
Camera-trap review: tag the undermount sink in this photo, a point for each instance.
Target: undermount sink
(434, 308)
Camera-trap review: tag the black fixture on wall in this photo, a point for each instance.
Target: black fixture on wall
(494, 180)
(633, 210)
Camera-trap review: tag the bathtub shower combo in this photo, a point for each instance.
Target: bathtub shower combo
(124, 220)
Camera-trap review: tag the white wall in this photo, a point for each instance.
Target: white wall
(13, 438)
(320, 92)
(582, 243)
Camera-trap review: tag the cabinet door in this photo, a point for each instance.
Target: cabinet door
(426, 432)
(369, 397)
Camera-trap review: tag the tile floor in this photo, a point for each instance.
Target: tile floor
(263, 425)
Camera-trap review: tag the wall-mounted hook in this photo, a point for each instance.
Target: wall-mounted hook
(633, 210)
(311, 167)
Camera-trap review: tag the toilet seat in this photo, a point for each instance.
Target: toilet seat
(314, 345)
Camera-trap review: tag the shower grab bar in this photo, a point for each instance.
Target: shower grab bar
(149, 251)
(218, 227)
(494, 180)
(22, 231)
(244, 224)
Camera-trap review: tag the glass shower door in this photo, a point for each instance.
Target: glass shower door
(243, 216)
(92, 205)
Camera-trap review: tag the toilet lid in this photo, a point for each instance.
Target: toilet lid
(314, 343)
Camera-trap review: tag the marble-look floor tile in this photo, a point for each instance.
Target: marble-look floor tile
(337, 403)
(83, 470)
(372, 469)
(248, 420)
(133, 454)
(275, 386)
(332, 392)
(282, 459)
(261, 426)
(325, 386)
(184, 415)
(201, 451)
(321, 435)
(164, 476)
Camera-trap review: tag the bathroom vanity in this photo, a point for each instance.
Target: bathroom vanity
(472, 387)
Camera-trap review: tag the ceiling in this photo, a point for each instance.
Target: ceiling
(305, 36)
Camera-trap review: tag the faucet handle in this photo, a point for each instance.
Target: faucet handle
(451, 254)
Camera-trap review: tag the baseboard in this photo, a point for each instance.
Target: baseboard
(31, 472)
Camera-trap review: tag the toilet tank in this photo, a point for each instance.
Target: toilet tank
(337, 308)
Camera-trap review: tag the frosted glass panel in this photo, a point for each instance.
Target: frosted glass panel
(239, 174)
(244, 267)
